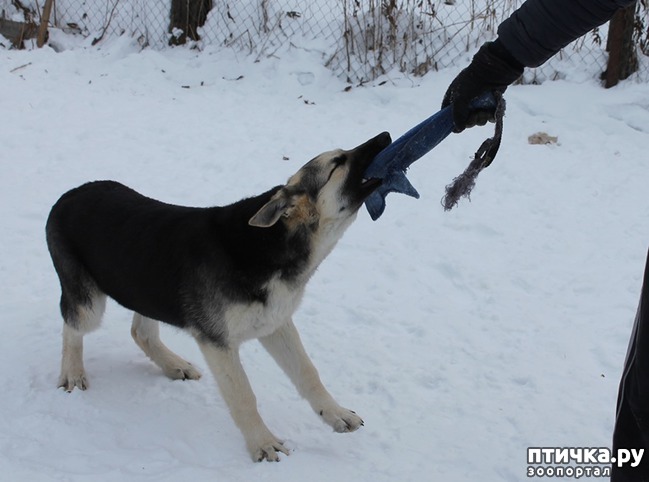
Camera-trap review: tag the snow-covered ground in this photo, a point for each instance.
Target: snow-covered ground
(461, 338)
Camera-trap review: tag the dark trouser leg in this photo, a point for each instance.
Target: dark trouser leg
(632, 417)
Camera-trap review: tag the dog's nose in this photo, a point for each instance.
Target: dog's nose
(383, 139)
(375, 145)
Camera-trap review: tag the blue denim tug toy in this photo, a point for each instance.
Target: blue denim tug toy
(391, 163)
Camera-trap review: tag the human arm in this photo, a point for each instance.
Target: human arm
(530, 36)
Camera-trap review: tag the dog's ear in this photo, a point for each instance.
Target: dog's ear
(270, 212)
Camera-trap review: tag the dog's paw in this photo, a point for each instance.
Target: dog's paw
(184, 371)
(69, 382)
(341, 419)
(268, 450)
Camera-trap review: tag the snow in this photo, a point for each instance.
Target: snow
(461, 338)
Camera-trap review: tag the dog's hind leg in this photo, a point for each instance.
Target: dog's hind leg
(146, 333)
(82, 304)
(79, 319)
(238, 395)
(286, 348)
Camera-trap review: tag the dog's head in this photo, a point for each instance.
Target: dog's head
(327, 190)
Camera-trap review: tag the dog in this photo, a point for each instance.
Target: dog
(224, 274)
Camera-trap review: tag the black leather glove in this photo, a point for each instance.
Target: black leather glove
(492, 69)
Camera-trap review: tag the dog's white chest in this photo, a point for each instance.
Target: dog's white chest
(246, 321)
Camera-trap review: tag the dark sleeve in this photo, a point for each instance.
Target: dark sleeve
(540, 28)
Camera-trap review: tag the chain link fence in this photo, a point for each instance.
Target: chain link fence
(359, 40)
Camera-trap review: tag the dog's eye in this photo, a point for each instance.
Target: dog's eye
(339, 161)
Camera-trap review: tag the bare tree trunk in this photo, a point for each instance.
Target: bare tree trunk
(622, 58)
(187, 16)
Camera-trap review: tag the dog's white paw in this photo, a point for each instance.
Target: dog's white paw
(268, 450)
(71, 381)
(182, 371)
(341, 419)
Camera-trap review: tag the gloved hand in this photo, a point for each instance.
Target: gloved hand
(492, 69)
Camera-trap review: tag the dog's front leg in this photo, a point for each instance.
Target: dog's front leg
(238, 395)
(286, 348)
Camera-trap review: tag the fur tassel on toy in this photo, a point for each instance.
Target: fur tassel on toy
(465, 182)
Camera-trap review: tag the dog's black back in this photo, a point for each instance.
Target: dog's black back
(147, 255)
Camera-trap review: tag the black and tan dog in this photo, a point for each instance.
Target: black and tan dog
(225, 274)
